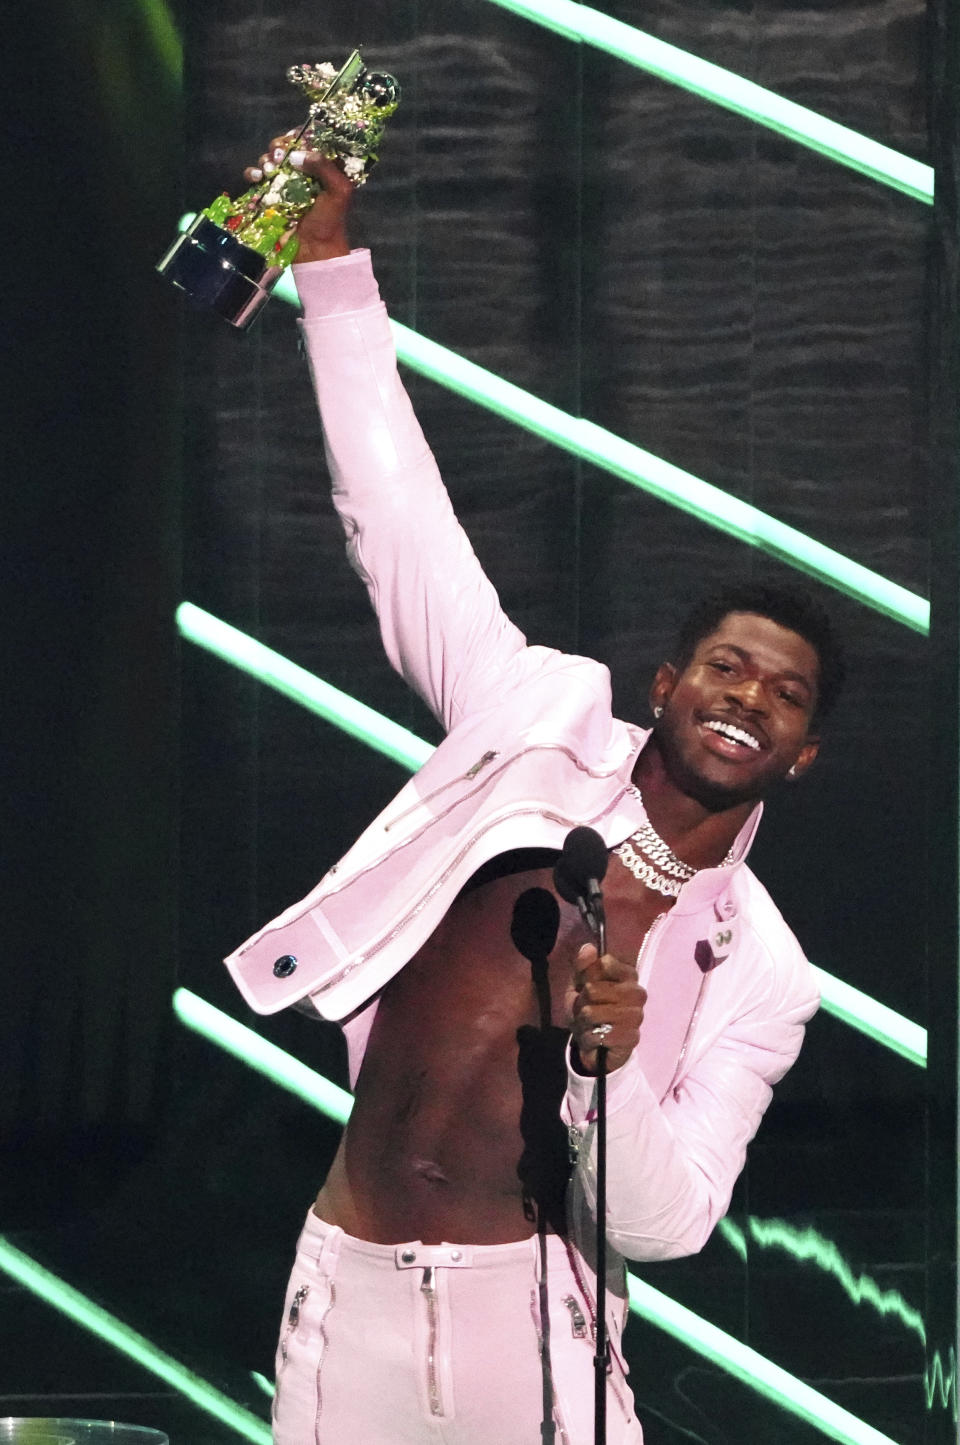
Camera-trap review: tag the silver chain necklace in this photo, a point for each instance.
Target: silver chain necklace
(653, 862)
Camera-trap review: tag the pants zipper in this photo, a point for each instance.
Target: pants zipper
(323, 1355)
(592, 1313)
(293, 1320)
(578, 1323)
(428, 1288)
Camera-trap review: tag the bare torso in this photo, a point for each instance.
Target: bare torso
(455, 1132)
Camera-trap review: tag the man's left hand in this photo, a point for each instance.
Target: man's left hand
(605, 992)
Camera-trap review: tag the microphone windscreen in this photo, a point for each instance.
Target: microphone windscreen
(584, 856)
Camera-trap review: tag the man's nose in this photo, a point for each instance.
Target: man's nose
(749, 693)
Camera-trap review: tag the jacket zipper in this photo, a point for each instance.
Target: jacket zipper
(488, 757)
(645, 941)
(439, 882)
(477, 768)
(694, 1019)
(471, 773)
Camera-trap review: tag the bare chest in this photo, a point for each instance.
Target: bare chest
(456, 1127)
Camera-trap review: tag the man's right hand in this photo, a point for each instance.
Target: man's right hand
(322, 231)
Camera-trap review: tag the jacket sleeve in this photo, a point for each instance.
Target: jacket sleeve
(440, 618)
(672, 1164)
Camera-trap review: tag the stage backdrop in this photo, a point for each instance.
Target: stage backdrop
(746, 309)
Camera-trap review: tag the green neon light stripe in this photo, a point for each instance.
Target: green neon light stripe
(732, 92)
(874, 1019)
(722, 1349)
(93, 1318)
(848, 1004)
(275, 1064)
(750, 1368)
(328, 702)
(734, 1236)
(940, 1382)
(601, 448)
(809, 1246)
(166, 37)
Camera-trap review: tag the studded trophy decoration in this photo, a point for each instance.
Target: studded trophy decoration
(233, 253)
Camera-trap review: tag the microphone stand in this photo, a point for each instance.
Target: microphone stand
(592, 910)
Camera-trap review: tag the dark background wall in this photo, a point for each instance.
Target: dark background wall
(90, 560)
(722, 297)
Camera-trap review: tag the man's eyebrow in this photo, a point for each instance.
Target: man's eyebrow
(745, 656)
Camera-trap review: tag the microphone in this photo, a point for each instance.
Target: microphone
(577, 877)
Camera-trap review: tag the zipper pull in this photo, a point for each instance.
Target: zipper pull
(578, 1323)
(293, 1318)
(482, 763)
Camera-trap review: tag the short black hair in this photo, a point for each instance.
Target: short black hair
(790, 607)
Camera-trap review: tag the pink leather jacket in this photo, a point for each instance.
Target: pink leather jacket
(532, 749)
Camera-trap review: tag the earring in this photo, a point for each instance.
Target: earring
(658, 711)
(793, 772)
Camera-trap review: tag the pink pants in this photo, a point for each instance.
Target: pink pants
(410, 1343)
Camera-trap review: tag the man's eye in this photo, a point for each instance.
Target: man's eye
(791, 697)
(721, 666)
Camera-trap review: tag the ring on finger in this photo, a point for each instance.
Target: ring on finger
(601, 1030)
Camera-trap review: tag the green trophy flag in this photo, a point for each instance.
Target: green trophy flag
(233, 254)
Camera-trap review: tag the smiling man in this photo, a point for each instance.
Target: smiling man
(444, 1287)
(755, 667)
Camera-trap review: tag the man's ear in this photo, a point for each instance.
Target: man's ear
(805, 759)
(661, 689)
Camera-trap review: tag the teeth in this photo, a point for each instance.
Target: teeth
(737, 735)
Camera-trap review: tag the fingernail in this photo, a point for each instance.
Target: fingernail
(278, 153)
(269, 168)
(256, 174)
(296, 159)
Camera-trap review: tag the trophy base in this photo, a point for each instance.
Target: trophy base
(219, 273)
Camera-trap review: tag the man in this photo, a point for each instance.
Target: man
(444, 1287)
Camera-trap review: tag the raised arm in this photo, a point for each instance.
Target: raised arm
(440, 618)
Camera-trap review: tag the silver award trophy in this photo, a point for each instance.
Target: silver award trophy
(233, 253)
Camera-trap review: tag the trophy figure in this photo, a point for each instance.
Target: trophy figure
(233, 253)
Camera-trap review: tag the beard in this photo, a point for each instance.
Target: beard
(713, 796)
